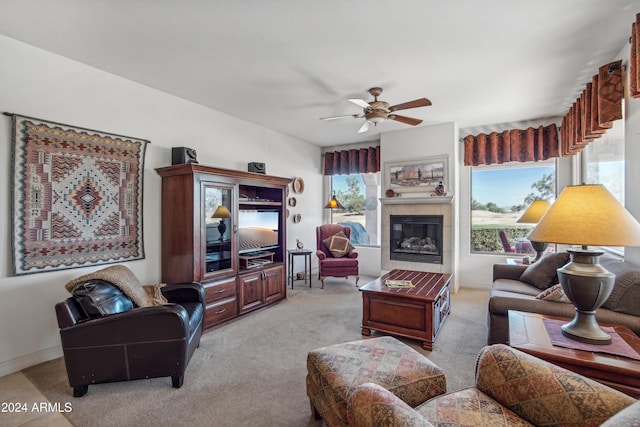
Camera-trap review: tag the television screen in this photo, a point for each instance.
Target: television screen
(257, 230)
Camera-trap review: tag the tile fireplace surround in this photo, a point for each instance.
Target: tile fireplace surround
(428, 205)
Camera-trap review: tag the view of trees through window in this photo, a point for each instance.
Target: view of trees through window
(360, 210)
(499, 196)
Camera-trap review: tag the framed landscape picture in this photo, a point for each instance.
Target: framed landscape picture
(420, 175)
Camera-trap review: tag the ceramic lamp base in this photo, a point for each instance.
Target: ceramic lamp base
(587, 285)
(539, 247)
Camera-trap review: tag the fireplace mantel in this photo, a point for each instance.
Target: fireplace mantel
(415, 200)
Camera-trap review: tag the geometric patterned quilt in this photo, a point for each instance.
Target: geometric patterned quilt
(77, 197)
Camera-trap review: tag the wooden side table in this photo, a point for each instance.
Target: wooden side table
(528, 334)
(306, 253)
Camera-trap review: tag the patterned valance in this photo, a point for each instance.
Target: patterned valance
(634, 59)
(357, 160)
(529, 145)
(598, 106)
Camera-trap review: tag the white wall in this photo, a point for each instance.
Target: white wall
(37, 83)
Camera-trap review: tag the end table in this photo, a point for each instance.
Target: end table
(306, 253)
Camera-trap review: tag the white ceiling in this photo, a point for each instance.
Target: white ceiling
(284, 64)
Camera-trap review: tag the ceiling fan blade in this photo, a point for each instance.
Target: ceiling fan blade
(364, 127)
(404, 119)
(359, 102)
(355, 116)
(422, 102)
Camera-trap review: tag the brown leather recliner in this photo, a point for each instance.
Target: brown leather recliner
(141, 342)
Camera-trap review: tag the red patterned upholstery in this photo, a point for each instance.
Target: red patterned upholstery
(512, 389)
(334, 372)
(328, 265)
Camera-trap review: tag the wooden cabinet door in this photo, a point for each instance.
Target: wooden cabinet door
(274, 285)
(251, 290)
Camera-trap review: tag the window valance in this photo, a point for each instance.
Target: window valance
(531, 144)
(598, 106)
(634, 59)
(357, 160)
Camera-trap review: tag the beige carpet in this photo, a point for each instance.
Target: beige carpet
(251, 372)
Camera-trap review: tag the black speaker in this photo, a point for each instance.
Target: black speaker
(257, 167)
(180, 155)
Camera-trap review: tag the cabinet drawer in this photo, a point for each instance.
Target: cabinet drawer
(218, 291)
(218, 313)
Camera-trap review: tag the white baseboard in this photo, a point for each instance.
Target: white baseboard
(19, 363)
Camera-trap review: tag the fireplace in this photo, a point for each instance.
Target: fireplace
(416, 238)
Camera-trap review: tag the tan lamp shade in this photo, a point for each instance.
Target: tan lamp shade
(587, 215)
(534, 212)
(221, 212)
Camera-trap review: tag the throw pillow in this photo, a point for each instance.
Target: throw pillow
(554, 293)
(338, 244)
(542, 274)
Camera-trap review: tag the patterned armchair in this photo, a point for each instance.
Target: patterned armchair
(336, 255)
(512, 389)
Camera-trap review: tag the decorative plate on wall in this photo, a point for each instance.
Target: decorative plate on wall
(292, 201)
(297, 218)
(298, 185)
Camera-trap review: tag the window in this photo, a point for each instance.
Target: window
(499, 195)
(359, 194)
(603, 163)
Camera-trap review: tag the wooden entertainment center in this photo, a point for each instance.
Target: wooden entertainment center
(205, 241)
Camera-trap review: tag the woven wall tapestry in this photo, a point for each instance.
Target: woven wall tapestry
(77, 197)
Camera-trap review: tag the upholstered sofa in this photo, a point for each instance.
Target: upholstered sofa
(512, 389)
(515, 287)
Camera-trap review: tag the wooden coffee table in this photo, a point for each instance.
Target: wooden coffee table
(528, 334)
(417, 312)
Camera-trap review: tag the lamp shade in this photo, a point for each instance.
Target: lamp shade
(221, 212)
(334, 203)
(587, 215)
(534, 212)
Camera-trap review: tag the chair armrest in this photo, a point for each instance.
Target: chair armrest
(145, 324)
(184, 292)
(321, 255)
(507, 271)
(626, 418)
(352, 254)
(502, 369)
(372, 405)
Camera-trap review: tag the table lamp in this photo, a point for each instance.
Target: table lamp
(221, 212)
(586, 215)
(532, 215)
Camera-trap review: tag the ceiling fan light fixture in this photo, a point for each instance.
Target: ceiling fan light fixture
(376, 117)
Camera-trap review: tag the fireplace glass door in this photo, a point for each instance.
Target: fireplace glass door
(416, 238)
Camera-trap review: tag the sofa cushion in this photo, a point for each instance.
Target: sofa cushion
(338, 244)
(554, 293)
(542, 274)
(625, 296)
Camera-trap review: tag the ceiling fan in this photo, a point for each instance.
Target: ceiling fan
(378, 111)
